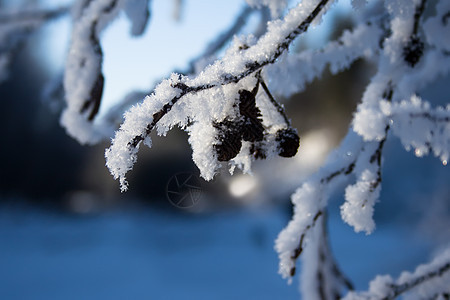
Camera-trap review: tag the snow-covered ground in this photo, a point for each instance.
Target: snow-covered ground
(150, 254)
(140, 255)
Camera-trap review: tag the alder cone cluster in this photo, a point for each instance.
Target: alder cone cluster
(247, 126)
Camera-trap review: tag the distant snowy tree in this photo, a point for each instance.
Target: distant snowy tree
(226, 103)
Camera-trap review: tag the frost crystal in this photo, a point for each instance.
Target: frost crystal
(360, 198)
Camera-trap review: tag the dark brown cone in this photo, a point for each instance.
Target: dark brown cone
(230, 140)
(252, 130)
(413, 51)
(288, 142)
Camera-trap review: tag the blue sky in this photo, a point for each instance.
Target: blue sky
(167, 45)
(133, 63)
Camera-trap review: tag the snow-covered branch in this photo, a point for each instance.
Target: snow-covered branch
(311, 199)
(429, 281)
(404, 67)
(83, 78)
(356, 157)
(321, 278)
(299, 69)
(221, 81)
(421, 127)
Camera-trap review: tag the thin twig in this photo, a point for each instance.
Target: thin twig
(274, 102)
(345, 170)
(223, 38)
(417, 15)
(398, 289)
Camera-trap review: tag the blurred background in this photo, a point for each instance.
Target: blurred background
(66, 231)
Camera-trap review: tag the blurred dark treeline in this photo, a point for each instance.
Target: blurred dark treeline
(39, 160)
(42, 164)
